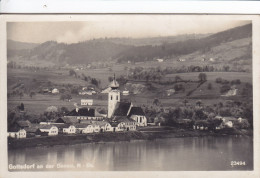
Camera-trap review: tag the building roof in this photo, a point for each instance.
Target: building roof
(229, 118)
(122, 119)
(46, 126)
(122, 109)
(64, 126)
(114, 84)
(67, 120)
(100, 123)
(81, 125)
(136, 111)
(24, 123)
(33, 128)
(89, 112)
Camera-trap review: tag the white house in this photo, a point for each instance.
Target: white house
(159, 60)
(17, 133)
(96, 128)
(125, 92)
(137, 114)
(86, 102)
(104, 126)
(123, 124)
(55, 91)
(50, 130)
(67, 128)
(84, 128)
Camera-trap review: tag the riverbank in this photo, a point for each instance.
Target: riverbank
(149, 133)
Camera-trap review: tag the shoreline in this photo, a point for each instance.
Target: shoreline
(49, 141)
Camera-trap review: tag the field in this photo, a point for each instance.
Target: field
(58, 78)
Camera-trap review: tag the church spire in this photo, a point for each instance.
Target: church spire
(114, 84)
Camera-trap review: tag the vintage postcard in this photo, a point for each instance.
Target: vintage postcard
(130, 94)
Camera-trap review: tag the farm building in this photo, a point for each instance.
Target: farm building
(104, 126)
(84, 114)
(67, 120)
(67, 128)
(123, 123)
(55, 91)
(159, 60)
(49, 130)
(86, 102)
(16, 133)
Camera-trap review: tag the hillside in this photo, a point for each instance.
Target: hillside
(204, 45)
(139, 50)
(16, 45)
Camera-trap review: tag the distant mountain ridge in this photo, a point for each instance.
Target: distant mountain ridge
(127, 49)
(17, 45)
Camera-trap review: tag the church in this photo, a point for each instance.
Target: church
(118, 110)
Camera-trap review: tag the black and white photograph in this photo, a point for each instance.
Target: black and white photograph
(130, 93)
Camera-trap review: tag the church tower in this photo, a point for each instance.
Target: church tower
(113, 97)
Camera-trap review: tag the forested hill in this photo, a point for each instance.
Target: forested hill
(124, 49)
(185, 47)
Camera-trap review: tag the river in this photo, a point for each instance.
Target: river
(171, 154)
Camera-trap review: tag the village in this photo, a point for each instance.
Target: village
(122, 116)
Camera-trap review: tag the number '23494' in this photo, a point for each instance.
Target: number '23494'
(238, 163)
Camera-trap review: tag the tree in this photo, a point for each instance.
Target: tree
(177, 78)
(21, 94)
(209, 86)
(224, 88)
(21, 107)
(156, 102)
(199, 102)
(185, 102)
(202, 77)
(32, 94)
(72, 72)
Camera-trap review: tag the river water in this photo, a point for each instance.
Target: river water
(171, 154)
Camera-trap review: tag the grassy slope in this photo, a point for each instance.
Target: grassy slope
(39, 103)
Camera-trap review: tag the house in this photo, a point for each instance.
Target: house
(104, 126)
(123, 123)
(137, 114)
(200, 125)
(45, 90)
(55, 91)
(32, 130)
(127, 124)
(84, 128)
(182, 60)
(241, 120)
(86, 102)
(16, 133)
(84, 114)
(49, 130)
(170, 92)
(159, 60)
(67, 128)
(125, 92)
(228, 121)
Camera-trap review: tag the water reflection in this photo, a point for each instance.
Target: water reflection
(204, 153)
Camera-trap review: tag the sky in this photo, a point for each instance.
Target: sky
(120, 26)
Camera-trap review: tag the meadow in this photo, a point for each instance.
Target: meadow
(59, 77)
